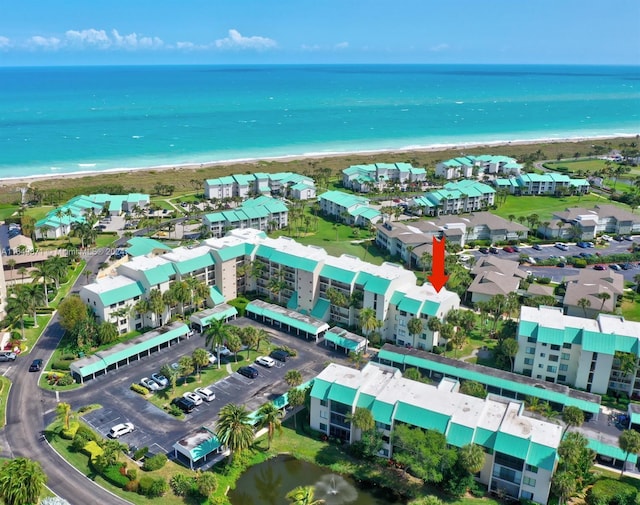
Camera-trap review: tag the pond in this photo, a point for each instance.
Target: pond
(268, 483)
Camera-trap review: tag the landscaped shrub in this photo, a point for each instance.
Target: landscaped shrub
(154, 462)
(132, 474)
(140, 453)
(60, 365)
(86, 432)
(544, 280)
(132, 486)
(174, 410)
(611, 492)
(92, 449)
(182, 484)
(207, 484)
(71, 432)
(158, 488)
(139, 389)
(145, 484)
(66, 380)
(579, 263)
(292, 352)
(112, 474)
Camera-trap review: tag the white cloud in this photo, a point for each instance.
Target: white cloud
(132, 41)
(5, 43)
(39, 42)
(341, 45)
(439, 47)
(88, 38)
(235, 40)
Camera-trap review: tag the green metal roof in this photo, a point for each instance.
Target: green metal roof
(410, 305)
(541, 456)
(191, 265)
(552, 336)
(122, 293)
(338, 274)
(382, 411)
(372, 283)
(342, 394)
(103, 359)
(597, 342)
(485, 438)
(293, 301)
(141, 246)
(459, 435)
(341, 341)
(205, 448)
(462, 373)
(300, 324)
(216, 296)
(635, 418)
(219, 315)
(365, 401)
(512, 445)
(320, 389)
(159, 274)
(611, 451)
(235, 251)
(320, 308)
(430, 308)
(286, 259)
(424, 418)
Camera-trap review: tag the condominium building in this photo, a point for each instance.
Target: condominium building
(543, 184)
(455, 197)
(245, 185)
(465, 166)
(364, 178)
(262, 213)
(577, 351)
(591, 222)
(520, 451)
(351, 209)
(303, 278)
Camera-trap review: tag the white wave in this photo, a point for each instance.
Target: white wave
(86, 164)
(137, 136)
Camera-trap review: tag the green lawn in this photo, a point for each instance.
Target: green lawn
(587, 166)
(631, 307)
(5, 386)
(545, 206)
(7, 210)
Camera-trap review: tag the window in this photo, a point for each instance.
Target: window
(552, 369)
(323, 403)
(528, 481)
(532, 469)
(323, 414)
(555, 347)
(528, 361)
(565, 356)
(562, 378)
(323, 427)
(527, 495)
(564, 368)
(531, 350)
(531, 340)
(566, 346)
(554, 357)
(540, 365)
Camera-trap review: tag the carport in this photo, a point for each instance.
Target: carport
(124, 353)
(345, 340)
(286, 319)
(198, 446)
(202, 320)
(611, 454)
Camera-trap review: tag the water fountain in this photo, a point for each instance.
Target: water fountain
(335, 490)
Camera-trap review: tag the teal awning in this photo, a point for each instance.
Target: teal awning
(341, 341)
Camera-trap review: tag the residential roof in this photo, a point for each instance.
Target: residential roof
(115, 289)
(289, 317)
(141, 246)
(344, 338)
(198, 445)
(218, 313)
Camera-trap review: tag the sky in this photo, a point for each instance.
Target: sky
(112, 32)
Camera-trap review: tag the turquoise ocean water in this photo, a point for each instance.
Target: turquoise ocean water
(73, 119)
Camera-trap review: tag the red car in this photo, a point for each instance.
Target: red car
(598, 267)
(508, 249)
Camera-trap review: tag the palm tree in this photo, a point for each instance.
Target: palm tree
(63, 413)
(216, 335)
(584, 304)
(629, 442)
(303, 495)
(181, 293)
(42, 271)
(233, 428)
(296, 398)
(156, 305)
(21, 481)
(262, 336)
(471, 458)
(369, 321)
(200, 358)
(171, 374)
(17, 308)
(361, 419)
(572, 416)
(33, 297)
(142, 307)
(269, 415)
(604, 296)
(425, 259)
(563, 485)
(293, 378)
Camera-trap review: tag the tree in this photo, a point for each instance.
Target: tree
(584, 304)
(216, 335)
(625, 361)
(576, 458)
(107, 332)
(42, 271)
(249, 337)
(563, 486)
(234, 344)
(185, 366)
(17, 308)
(171, 374)
(572, 416)
(368, 320)
(412, 374)
(471, 458)
(63, 413)
(293, 378)
(303, 495)
(206, 483)
(71, 311)
(415, 326)
(604, 296)
(473, 388)
(357, 358)
(270, 416)
(233, 428)
(629, 442)
(200, 358)
(361, 419)
(156, 305)
(21, 481)
(509, 348)
(296, 398)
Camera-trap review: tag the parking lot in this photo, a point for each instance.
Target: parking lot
(157, 429)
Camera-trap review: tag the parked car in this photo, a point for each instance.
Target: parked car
(607, 238)
(561, 246)
(626, 266)
(184, 404)
(248, 371)
(280, 355)
(121, 429)
(628, 237)
(7, 356)
(618, 238)
(516, 248)
(222, 350)
(151, 385)
(537, 247)
(582, 245)
(36, 365)
(206, 394)
(586, 255)
(613, 266)
(193, 397)
(561, 264)
(493, 250)
(598, 267)
(212, 358)
(160, 379)
(484, 250)
(508, 249)
(266, 361)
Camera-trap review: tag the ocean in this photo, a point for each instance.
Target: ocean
(56, 120)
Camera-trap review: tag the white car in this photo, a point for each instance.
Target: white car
(206, 394)
(150, 384)
(193, 397)
(266, 361)
(222, 350)
(160, 379)
(121, 429)
(212, 358)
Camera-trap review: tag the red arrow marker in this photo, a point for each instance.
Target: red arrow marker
(437, 278)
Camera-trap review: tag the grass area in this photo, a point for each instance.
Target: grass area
(587, 166)
(32, 333)
(38, 213)
(7, 210)
(631, 306)
(545, 206)
(161, 203)
(5, 386)
(73, 275)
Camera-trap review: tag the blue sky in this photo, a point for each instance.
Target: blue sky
(103, 32)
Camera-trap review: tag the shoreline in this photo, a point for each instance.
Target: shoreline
(27, 180)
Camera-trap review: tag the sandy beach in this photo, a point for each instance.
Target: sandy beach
(419, 156)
